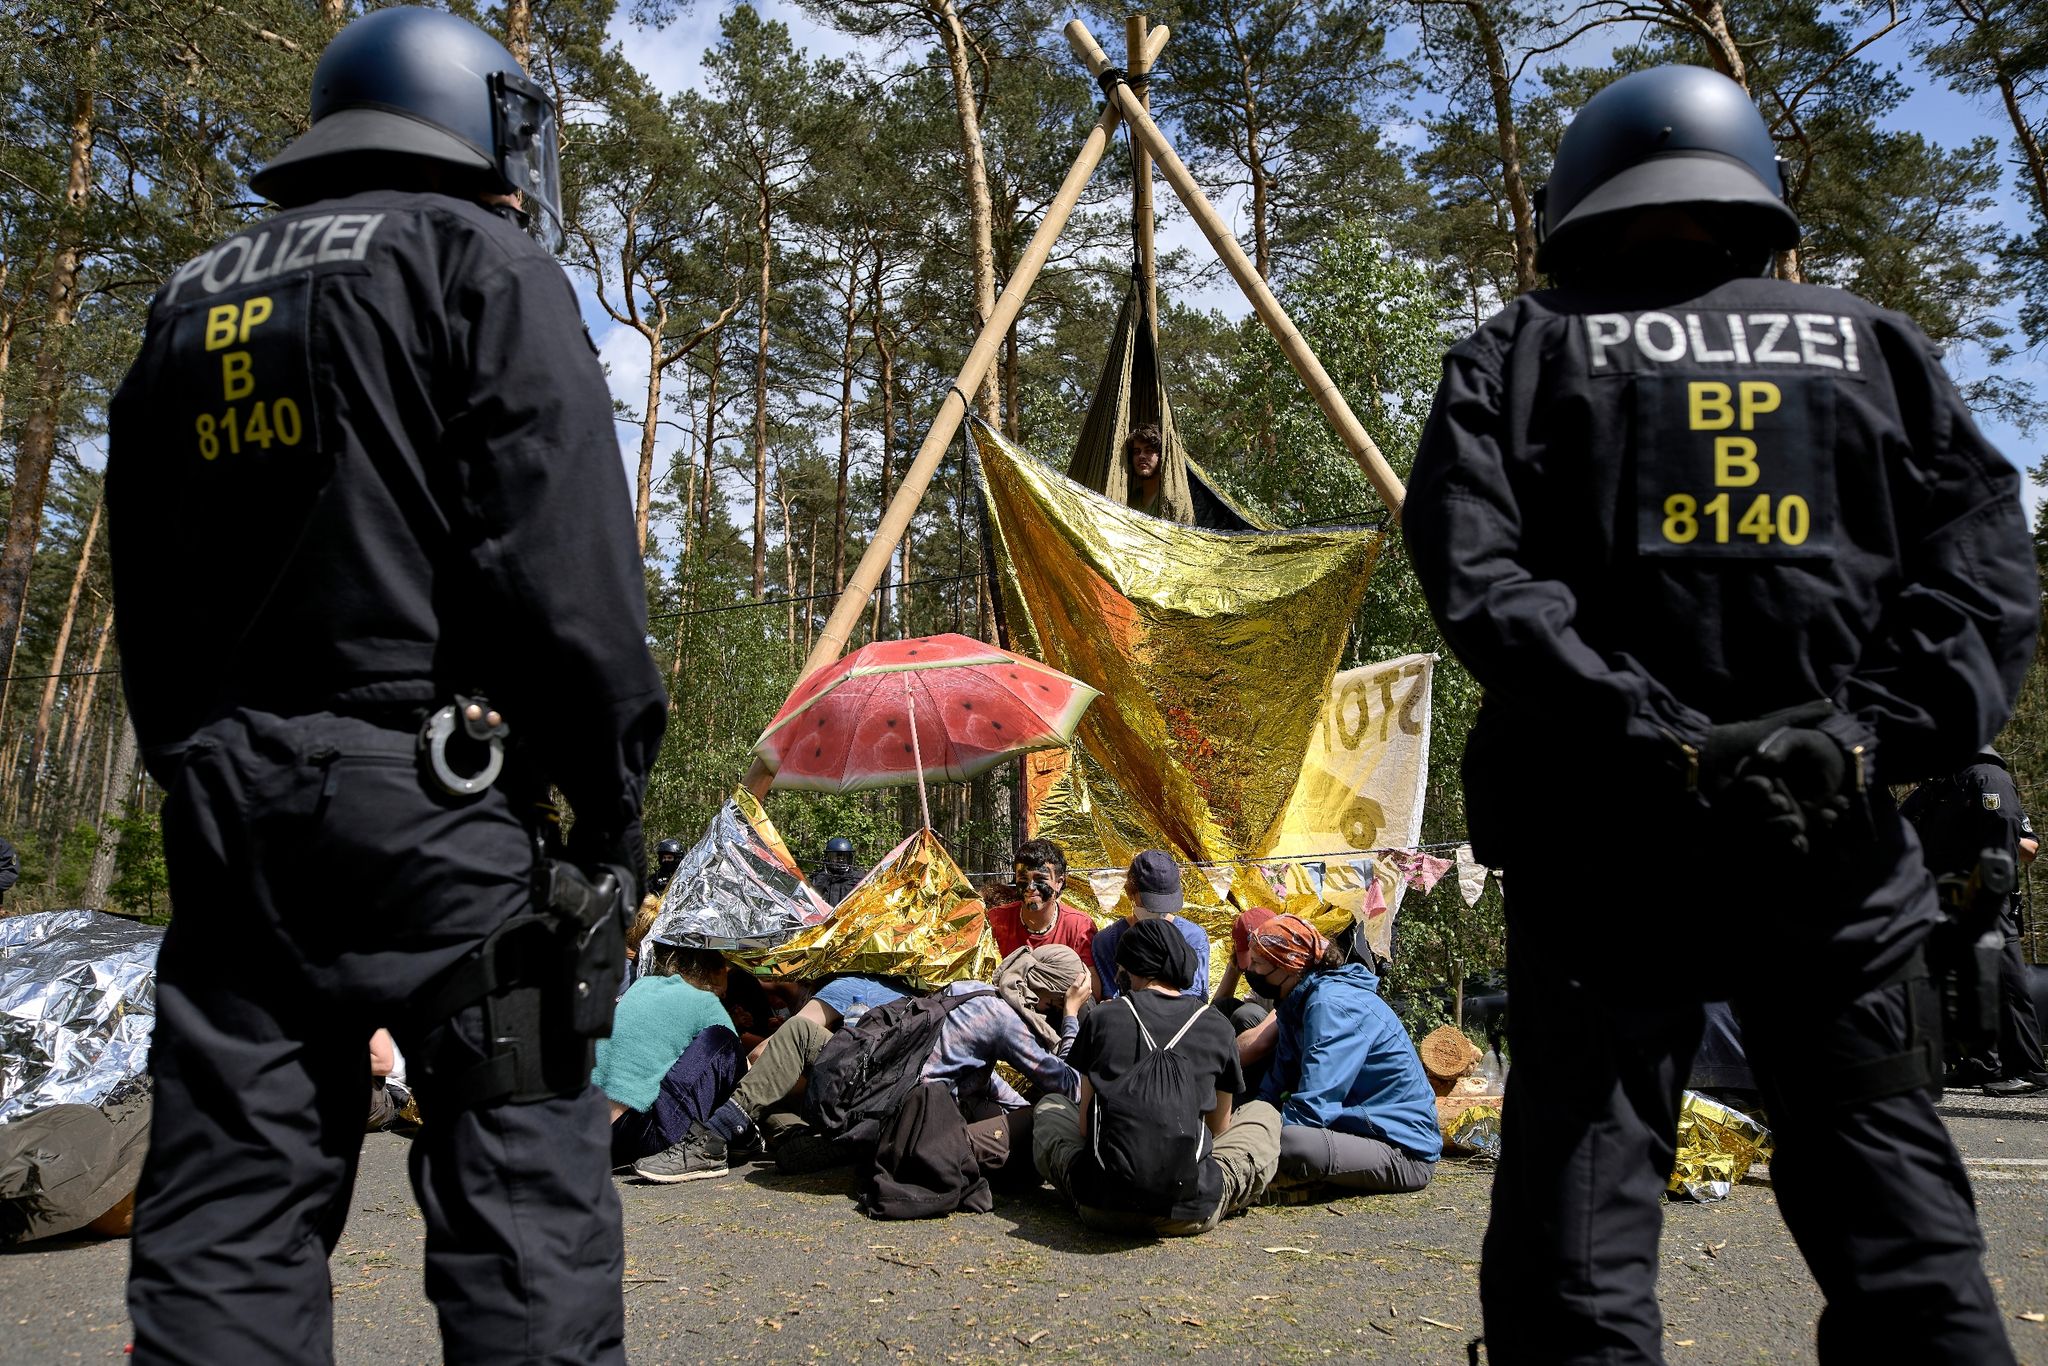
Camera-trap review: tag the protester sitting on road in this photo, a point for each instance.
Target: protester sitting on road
(636, 936)
(1357, 1112)
(1037, 918)
(1155, 1143)
(673, 1055)
(1015, 1024)
(1253, 1019)
(1154, 887)
(776, 1072)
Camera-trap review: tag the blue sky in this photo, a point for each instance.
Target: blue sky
(671, 57)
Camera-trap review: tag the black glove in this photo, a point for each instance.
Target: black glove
(1777, 775)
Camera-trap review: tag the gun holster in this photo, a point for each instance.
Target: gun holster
(1965, 948)
(546, 980)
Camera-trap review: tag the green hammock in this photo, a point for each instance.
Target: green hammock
(1131, 394)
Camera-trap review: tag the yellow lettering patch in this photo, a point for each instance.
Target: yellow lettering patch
(243, 372)
(1734, 468)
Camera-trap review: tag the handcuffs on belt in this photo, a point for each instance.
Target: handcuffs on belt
(470, 724)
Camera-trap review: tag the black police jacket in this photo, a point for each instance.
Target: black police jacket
(366, 459)
(1636, 517)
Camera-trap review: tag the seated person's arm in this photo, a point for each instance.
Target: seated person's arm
(1086, 1102)
(1226, 985)
(1257, 1043)
(1046, 1071)
(1095, 982)
(1334, 1041)
(1218, 1119)
(1004, 1094)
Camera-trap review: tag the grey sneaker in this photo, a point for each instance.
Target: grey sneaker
(700, 1154)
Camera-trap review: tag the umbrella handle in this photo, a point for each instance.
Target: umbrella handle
(916, 751)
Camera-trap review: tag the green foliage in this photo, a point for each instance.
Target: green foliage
(141, 884)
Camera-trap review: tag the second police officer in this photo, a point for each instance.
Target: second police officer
(370, 525)
(1728, 556)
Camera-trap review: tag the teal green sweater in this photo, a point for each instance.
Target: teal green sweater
(655, 1021)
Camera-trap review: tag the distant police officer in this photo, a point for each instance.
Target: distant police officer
(1728, 556)
(668, 856)
(838, 876)
(1957, 818)
(371, 527)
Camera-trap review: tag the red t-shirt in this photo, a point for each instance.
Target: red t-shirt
(1070, 927)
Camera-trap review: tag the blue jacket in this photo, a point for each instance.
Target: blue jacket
(1345, 1062)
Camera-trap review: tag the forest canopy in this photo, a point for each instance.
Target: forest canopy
(785, 258)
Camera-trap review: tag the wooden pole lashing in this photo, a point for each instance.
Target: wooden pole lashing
(917, 477)
(1324, 389)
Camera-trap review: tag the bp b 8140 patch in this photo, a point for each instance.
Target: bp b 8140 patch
(241, 377)
(1734, 468)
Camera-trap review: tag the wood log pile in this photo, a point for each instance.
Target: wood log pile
(1452, 1063)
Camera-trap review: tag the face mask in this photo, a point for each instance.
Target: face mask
(1265, 986)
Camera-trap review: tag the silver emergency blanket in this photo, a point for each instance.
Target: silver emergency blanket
(738, 888)
(77, 1004)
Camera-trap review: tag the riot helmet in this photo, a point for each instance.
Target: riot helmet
(424, 84)
(1670, 137)
(839, 853)
(668, 852)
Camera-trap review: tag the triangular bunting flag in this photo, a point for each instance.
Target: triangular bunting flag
(1108, 886)
(1471, 875)
(1314, 869)
(1220, 876)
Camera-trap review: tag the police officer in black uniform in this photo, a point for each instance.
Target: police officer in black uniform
(1728, 556)
(377, 590)
(668, 856)
(1955, 817)
(839, 875)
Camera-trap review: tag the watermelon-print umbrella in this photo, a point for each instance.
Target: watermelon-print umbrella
(944, 708)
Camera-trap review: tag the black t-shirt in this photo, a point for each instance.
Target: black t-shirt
(1109, 1046)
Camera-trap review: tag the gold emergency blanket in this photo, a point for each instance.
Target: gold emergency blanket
(914, 916)
(1716, 1148)
(1213, 653)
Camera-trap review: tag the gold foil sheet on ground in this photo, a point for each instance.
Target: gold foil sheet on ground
(1476, 1132)
(1716, 1148)
(1213, 652)
(914, 916)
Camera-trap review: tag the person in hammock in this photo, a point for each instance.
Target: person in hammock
(1145, 454)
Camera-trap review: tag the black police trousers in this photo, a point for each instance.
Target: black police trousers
(317, 887)
(1873, 1191)
(2019, 1033)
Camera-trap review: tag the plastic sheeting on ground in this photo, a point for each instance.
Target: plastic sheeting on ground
(1717, 1146)
(77, 1004)
(739, 888)
(914, 916)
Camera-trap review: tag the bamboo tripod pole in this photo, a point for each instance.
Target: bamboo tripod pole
(952, 409)
(1324, 389)
(1141, 177)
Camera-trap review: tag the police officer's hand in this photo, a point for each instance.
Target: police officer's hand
(1785, 784)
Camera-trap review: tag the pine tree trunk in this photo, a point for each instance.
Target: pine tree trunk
(879, 322)
(57, 653)
(2030, 142)
(120, 778)
(765, 223)
(709, 485)
(1501, 82)
(650, 420)
(81, 732)
(519, 32)
(850, 316)
(38, 443)
(974, 167)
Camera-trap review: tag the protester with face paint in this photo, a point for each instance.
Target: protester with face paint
(1356, 1111)
(1037, 918)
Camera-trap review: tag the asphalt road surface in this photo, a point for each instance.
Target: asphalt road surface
(760, 1267)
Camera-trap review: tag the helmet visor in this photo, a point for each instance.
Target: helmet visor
(528, 154)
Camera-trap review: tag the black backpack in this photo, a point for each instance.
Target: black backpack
(1148, 1134)
(861, 1079)
(925, 1167)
